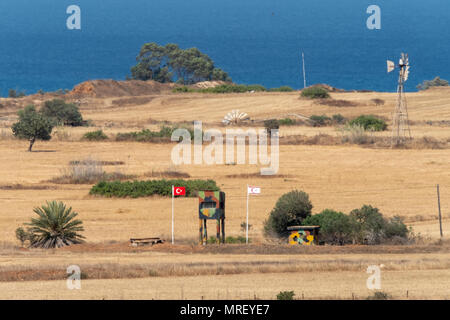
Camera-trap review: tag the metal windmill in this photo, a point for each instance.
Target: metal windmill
(400, 121)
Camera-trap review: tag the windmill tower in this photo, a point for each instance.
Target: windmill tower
(400, 122)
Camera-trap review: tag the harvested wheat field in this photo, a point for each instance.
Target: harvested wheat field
(336, 174)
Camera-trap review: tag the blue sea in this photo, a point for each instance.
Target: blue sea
(255, 41)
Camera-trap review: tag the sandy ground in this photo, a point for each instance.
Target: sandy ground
(399, 182)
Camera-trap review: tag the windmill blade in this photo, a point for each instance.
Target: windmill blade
(406, 73)
(390, 66)
(235, 117)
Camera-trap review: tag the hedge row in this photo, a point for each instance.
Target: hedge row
(136, 189)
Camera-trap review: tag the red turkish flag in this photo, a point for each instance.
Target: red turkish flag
(179, 191)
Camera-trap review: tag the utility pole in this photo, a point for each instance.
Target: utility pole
(304, 70)
(440, 216)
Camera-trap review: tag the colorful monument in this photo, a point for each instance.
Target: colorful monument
(211, 207)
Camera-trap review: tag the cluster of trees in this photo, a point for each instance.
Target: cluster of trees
(365, 225)
(436, 82)
(38, 125)
(170, 63)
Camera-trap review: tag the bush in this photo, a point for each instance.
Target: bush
(315, 93)
(369, 122)
(233, 88)
(182, 89)
(379, 295)
(136, 189)
(287, 122)
(62, 112)
(436, 82)
(145, 135)
(286, 295)
(373, 228)
(282, 89)
(98, 135)
(291, 209)
(335, 227)
(320, 121)
(22, 235)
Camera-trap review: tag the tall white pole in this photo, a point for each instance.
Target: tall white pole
(246, 224)
(172, 215)
(304, 70)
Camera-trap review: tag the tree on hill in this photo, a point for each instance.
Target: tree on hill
(32, 126)
(436, 82)
(170, 63)
(62, 112)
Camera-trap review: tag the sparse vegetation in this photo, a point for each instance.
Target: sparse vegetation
(87, 171)
(97, 135)
(162, 187)
(287, 122)
(282, 89)
(355, 134)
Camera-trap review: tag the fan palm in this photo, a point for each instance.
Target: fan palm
(55, 227)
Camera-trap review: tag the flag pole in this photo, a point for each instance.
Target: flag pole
(246, 224)
(172, 215)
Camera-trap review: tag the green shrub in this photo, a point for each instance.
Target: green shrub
(291, 209)
(369, 122)
(335, 227)
(236, 240)
(286, 295)
(136, 189)
(373, 228)
(145, 135)
(320, 121)
(315, 93)
(287, 122)
(98, 135)
(22, 235)
(282, 89)
(62, 112)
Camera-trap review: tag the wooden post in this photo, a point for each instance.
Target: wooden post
(223, 230)
(440, 216)
(200, 231)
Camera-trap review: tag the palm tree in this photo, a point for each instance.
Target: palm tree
(55, 227)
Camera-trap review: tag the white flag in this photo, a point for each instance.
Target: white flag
(254, 190)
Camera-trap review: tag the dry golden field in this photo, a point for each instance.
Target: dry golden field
(343, 177)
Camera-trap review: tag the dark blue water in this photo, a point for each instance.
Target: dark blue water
(256, 41)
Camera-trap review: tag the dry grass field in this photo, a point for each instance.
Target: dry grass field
(343, 177)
